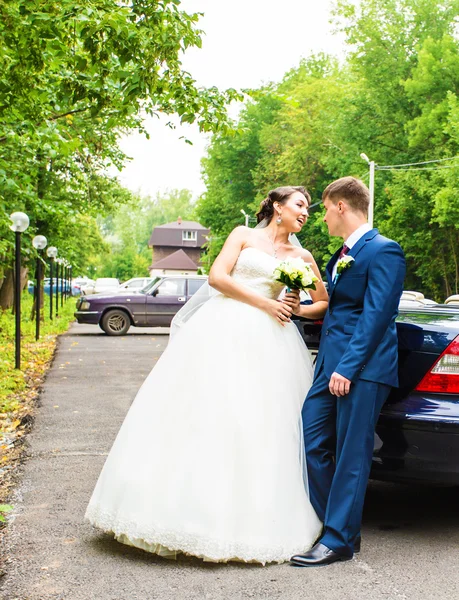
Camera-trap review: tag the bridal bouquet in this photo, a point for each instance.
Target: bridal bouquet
(295, 274)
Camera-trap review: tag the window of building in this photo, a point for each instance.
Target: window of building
(189, 236)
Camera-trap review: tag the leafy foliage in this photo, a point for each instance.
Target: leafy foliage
(4, 508)
(74, 76)
(395, 97)
(127, 232)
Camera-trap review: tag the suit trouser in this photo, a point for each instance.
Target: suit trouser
(339, 438)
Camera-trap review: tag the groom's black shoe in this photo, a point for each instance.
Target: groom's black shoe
(357, 544)
(318, 555)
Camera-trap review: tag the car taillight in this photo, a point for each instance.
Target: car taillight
(443, 378)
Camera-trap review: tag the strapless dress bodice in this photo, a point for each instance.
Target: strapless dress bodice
(254, 269)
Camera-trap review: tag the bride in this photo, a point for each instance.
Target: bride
(209, 460)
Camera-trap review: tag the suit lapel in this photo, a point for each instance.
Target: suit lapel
(361, 243)
(329, 269)
(352, 252)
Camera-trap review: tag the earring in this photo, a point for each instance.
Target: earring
(279, 220)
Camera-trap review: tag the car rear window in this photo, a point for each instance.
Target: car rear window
(194, 285)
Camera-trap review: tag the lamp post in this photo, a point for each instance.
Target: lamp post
(52, 253)
(246, 216)
(64, 282)
(58, 262)
(39, 242)
(371, 186)
(20, 223)
(67, 271)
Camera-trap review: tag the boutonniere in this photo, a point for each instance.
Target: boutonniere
(344, 263)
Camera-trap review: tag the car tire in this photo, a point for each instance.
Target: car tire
(115, 322)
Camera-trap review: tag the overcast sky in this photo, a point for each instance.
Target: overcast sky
(246, 43)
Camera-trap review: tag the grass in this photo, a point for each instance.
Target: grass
(18, 387)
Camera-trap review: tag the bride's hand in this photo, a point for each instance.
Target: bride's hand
(292, 299)
(280, 311)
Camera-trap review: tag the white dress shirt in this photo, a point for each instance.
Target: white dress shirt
(352, 241)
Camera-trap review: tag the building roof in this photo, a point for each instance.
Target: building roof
(171, 234)
(179, 224)
(176, 260)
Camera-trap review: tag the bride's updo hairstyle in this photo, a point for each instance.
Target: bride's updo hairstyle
(279, 195)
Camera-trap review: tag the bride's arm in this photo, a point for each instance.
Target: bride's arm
(220, 279)
(319, 296)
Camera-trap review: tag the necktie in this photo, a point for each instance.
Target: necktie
(344, 250)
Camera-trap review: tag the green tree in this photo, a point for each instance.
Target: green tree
(127, 231)
(395, 97)
(75, 76)
(228, 171)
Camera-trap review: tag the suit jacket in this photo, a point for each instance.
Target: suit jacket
(359, 336)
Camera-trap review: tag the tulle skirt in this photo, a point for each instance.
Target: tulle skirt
(209, 460)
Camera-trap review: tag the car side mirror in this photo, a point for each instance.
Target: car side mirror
(155, 292)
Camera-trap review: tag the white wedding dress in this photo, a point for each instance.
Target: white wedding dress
(209, 460)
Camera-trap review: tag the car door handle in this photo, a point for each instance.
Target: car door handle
(181, 299)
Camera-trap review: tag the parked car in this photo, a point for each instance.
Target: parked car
(135, 284)
(417, 436)
(63, 285)
(89, 287)
(453, 300)
(153, 306)
(106, 285)
(83, 284)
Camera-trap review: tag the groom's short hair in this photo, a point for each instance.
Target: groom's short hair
(350, 189)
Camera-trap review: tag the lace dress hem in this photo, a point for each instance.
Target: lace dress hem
(169, 543)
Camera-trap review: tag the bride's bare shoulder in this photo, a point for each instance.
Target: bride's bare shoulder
(306, 255)
(247, 234)
(240, 232)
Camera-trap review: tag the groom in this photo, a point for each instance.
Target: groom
(355, 370)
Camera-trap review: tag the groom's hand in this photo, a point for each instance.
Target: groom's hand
(339, 385)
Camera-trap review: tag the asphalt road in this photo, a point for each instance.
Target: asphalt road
(410, 548)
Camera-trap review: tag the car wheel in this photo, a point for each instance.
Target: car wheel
(115, 322)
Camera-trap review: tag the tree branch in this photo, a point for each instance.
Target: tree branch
(55, 118)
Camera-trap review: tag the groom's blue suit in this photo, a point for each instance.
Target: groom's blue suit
(359, 341)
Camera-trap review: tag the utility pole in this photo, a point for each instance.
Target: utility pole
(371, 187)
(246, 216)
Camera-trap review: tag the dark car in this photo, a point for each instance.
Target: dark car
(154, 306)
(417, 436)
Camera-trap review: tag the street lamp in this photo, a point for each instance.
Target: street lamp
(64, 281)
(70, 280)
(39, 242)
(52, 253)
(20, 223)
(58, 262)
(63, 263)
(246, 216)
(371, 186)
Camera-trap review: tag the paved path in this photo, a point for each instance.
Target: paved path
(410, 536)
